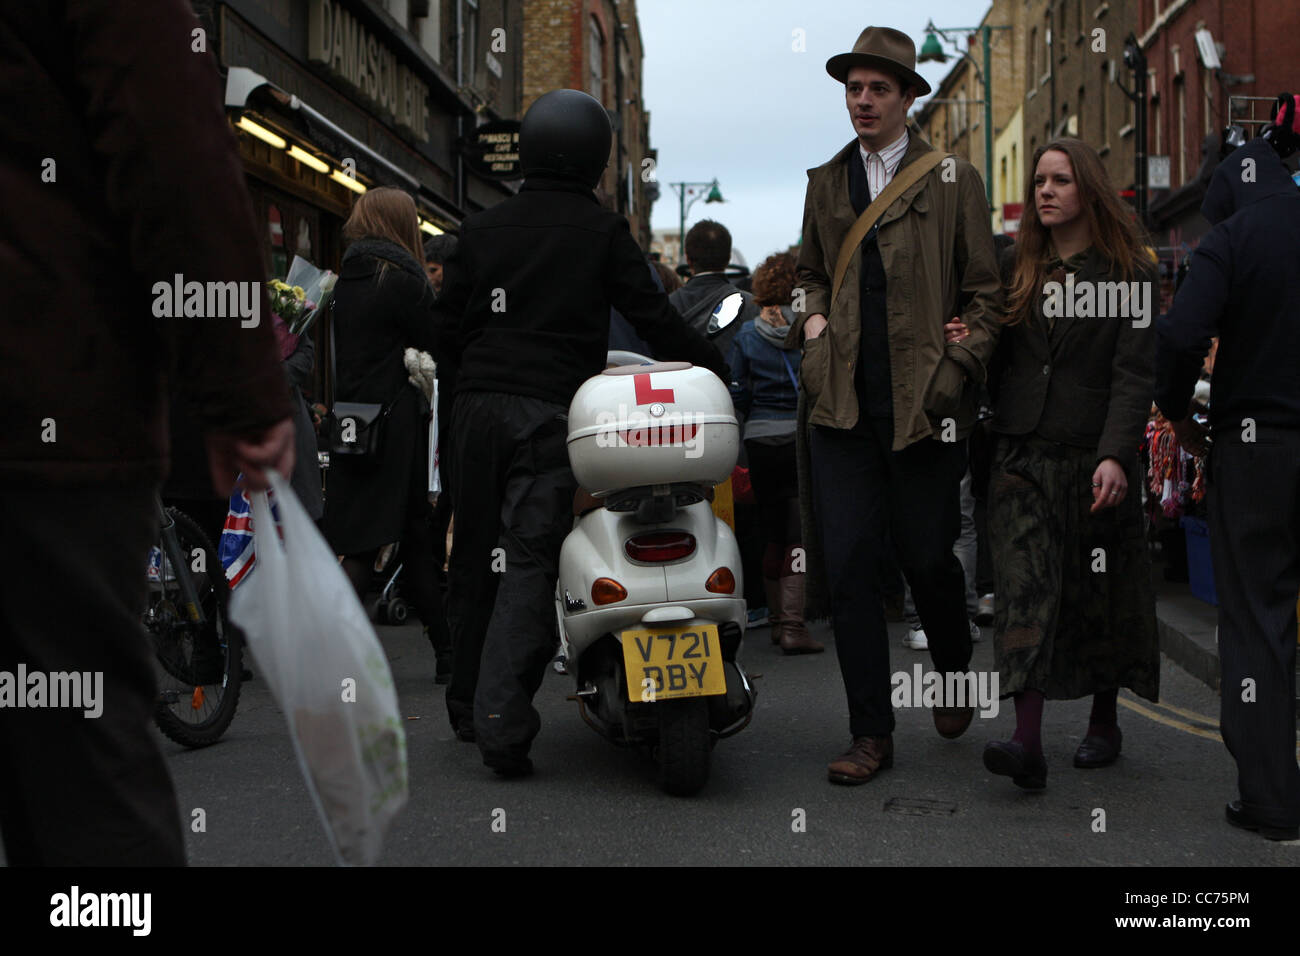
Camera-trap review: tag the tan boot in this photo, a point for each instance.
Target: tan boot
(773, 588)
(795, 638)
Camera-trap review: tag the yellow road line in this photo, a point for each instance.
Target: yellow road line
(1172, 708)
(1170, 722)
(1178, 724)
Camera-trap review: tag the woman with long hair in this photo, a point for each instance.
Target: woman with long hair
(383, 304)
(1072, 382)
(765, 387)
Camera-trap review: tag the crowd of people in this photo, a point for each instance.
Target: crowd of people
(859, 369)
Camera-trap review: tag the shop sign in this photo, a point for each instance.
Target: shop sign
(354, 55)
(493, 150)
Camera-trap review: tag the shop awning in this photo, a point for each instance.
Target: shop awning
(248, 91)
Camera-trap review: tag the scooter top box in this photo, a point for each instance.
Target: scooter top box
(652, 424)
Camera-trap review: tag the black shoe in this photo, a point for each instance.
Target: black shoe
(509, 765)
(1098, 751)
(465, 732)
(1239, 816)
(1008, 759)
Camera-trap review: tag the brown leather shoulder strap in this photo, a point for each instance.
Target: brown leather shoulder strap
(905, 179)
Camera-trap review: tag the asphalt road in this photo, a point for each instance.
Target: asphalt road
(592, 803)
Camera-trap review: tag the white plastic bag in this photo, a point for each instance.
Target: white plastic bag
(435, 477)
(318, 652)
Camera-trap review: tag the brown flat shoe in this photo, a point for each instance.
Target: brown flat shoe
(951, 722)
(864, 758)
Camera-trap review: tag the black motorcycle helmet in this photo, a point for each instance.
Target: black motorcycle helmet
(565, 133)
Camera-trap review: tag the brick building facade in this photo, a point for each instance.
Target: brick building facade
(1190, 102)
(595, 46)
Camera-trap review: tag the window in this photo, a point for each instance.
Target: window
(1154, 119)
(1015, 170)
(1182, 133)
(1081, 111)
(1104, 88)
(1033, 52)
(596, 54)
(469, 42)
(1153, 109)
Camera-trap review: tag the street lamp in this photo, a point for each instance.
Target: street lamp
(696, 192)
(932, 52)
(1136, 61)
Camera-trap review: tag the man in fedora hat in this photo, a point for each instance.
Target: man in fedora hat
(886, 405)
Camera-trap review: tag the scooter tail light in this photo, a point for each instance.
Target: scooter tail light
(659, 546)
(721, 581)
(607, 591)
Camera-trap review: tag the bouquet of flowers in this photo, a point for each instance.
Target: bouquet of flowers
(315, 285)
(295, 302)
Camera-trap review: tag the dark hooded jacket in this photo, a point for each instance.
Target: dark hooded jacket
(1243, 285)
(701, 295)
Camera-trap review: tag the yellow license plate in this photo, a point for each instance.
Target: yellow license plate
(664, 663)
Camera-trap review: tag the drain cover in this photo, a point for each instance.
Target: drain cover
(920, 807)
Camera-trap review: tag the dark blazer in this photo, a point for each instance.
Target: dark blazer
(526, 296)
(142, 182)
(1243, 285)
(1088, 382)
(376, 318)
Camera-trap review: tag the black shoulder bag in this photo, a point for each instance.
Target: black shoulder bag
(355, 428)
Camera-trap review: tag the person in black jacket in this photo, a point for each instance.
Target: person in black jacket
(526, 307)
(708, 252)
(1243, 285)
(383, 304)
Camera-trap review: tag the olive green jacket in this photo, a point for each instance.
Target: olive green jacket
(936, 245)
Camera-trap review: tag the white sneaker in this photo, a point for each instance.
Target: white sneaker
(915, 639)
(975, 636)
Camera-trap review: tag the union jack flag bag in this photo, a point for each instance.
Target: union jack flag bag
(236, 546)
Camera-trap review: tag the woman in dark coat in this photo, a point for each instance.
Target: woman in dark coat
(1072, 382)
(383, 304)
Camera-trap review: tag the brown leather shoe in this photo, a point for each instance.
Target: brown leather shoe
(951, 722)
(864, 758)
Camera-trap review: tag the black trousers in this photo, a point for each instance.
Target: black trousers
(864, 494)
(773, 471)
(1254, 492)
(78, 790)
(514, 506)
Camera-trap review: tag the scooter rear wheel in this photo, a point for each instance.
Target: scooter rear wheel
(684, 745)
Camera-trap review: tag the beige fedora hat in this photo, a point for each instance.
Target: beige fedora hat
(880, 48)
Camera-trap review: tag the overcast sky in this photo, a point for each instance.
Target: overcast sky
(729, 97)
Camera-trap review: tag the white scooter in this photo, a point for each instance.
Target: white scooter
(650, 597)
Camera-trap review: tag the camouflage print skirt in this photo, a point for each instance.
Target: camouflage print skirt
(1075, 609)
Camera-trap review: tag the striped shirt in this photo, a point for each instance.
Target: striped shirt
(881, 166)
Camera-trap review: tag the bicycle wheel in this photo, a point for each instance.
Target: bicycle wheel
(198, 667)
